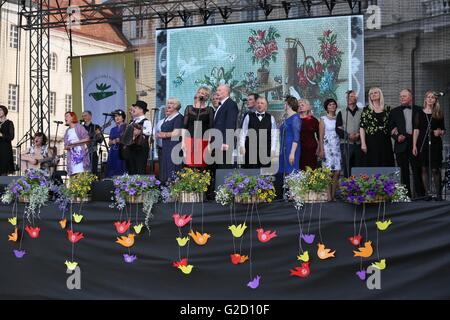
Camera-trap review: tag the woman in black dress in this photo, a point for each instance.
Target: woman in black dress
(197, 119)
(171, 127)
(6, 137)
(376, 141)
(430, 117)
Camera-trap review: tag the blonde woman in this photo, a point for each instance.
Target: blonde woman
(309, 136)
(374, 130)
(429, 122)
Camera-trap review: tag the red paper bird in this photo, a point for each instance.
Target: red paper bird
(33, 232)
(355, 240)
(123, 226)
(181, 221)
(236, 258)
(74, 237)
(302, 272)
(265, 236)
(182, 262)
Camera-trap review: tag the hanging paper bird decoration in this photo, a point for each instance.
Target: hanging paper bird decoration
(324, 253)
(236, 258)
(181, 221)
(355, 240)
(74, 237)
(33, 232)
(237, 231)
(308, 238)
(302, 272)
(186, 269)
(138, 228)
(361, 274)
(182, 241)
(303, 257)
(71, 265)
(13, 236)
(77, 217)
(265, 236)
(63, 223)
(182, 262)
(129, 258)
(383, 225)
(364, 252)
(200, 239)
(380, 264)
(19, 253)
(13, 221)
(254, 283)
(126, 241)
(122, 226)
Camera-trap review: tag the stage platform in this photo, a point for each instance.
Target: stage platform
(416, 247)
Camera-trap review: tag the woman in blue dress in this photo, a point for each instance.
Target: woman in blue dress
(170, 128)
(115, 165)
(290, 138)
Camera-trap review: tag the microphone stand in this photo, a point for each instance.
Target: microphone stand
(27, 137)
(346, 141)
(428, 133)
(240, 120)
(152, 143)
(283, 148)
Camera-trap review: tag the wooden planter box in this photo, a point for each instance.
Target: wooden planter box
(189, 197)
(313, 197)
(252, 199)
(135, 200)
(88, 198)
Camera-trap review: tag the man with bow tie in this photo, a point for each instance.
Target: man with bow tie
(257, 139)
(401, 126)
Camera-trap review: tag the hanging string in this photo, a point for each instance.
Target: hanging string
(310, 216)
(251, 243)
(320, 223)
(300, 230)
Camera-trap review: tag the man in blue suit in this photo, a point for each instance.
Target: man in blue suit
(225, 119)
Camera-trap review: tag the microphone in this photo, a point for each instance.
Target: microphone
(244, 100)
(438, 94)
(82, 121)
(112, 114)
(155, 108)
(58, 122)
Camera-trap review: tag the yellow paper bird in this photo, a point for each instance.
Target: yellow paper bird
(200, 239)
(13, 236)
(13, 221)
(238, 231)
(77, 217)
(383, 225)
(63, 223)
(324, 253)
(182, 241)
(71, 265)
(126, 241)
(186, 269)
(365, 251)
(303, 257)
(380, 265)
(138, 228)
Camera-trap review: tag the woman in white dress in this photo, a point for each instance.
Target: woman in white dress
(329, 145)
(75, 141)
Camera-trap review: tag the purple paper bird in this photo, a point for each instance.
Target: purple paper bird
(129, 258)
(308, 238)
(19, 253)
(254, 283)
(361, 274)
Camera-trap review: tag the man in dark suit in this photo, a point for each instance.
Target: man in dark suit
(401, 126)
(96, 138)
(225, 119)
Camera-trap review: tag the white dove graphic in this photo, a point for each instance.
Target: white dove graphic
(218, 52)
(184, 68)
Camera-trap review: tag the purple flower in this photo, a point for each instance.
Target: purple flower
(132, 191)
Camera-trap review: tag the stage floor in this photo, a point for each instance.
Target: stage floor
(416, 247)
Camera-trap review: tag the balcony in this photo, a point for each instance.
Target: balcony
(436, 7)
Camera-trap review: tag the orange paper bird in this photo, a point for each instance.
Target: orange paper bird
(324, 253)
(365, 251)
(127, 241)
(63, 223)
(200, 239)
(13, 236)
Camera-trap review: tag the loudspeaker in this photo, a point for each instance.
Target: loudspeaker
(102, 190)
(221, 174)
(391, 172)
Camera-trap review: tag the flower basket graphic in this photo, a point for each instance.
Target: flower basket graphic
(102, 93)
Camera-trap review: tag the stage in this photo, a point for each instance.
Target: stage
(416, 247)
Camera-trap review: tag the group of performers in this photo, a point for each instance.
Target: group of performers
(352, 137)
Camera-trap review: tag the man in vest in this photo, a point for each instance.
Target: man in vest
(140, 148)
(347, 128)
(262, 126)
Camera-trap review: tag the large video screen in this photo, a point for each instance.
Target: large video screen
(314, 58)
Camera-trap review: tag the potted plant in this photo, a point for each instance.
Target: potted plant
(368, 189)
(190, 185)
(264, 48)
(309, 185)
(246, 189)
(80, 186)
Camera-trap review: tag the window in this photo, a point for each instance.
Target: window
(139, 29)
(68, 65)
(53, 61)
(137, 69)
(12, 97)
(68, 103)
(52, 104)
(13, 36)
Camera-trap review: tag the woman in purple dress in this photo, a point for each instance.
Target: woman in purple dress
(75, 140)
(115, 165)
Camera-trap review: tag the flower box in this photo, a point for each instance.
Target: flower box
(315, 197)
(24, 199)
(189, 197)
(88, 198)
(135, 200)
(246, 200)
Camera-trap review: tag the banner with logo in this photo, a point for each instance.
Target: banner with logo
(103, 83)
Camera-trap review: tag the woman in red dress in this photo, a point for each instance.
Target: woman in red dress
(309, 135)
